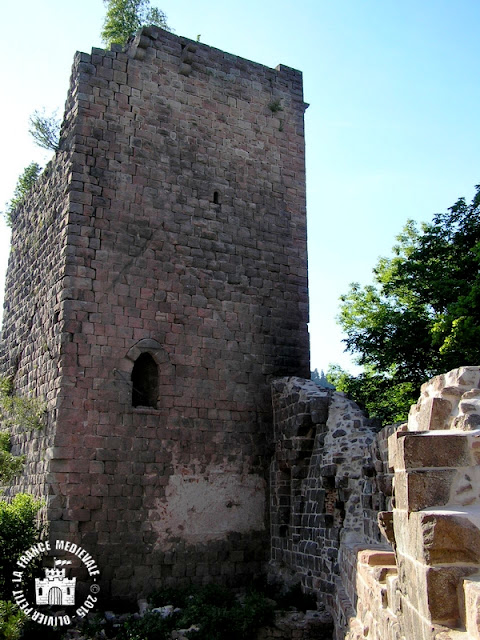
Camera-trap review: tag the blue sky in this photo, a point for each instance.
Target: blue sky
(392, 131)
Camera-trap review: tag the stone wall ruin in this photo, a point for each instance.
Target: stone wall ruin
(382, 526)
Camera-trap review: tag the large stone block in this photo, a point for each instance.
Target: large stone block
(422, 488)
(444, 601)
(432, 413)
(448, 537)
(434, 592)
(424, 450)
(377, 557)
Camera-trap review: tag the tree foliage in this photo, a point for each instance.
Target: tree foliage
(12, 621)
(18, 531)
(24, 183)
(125, 17)
(382, 398)
(420, 317)
(17, 410)
(10, 465)
(45, 130)
(320, 379)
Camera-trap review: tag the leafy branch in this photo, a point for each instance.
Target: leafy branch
(419, 318)
(10, 465)
(45, 130)
(24, 183)
(16, 410)
(20, 410)
(125, 17)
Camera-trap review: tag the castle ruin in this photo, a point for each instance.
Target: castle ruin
(157, 284)
(157, 299)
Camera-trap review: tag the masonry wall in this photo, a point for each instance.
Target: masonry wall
(31, 339)
(406, 561)
(327, 477)
(428, 586)
(185, 239)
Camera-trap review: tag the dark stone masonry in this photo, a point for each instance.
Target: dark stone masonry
(157, 284)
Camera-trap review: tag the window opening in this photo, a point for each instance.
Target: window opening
(144, 382)
(216, 197)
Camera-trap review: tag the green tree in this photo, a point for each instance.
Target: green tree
(380, 396)
(12, 621)
(16, 410)
(45, 130)
(19, 530)
(10, 465)
(420, 316)
(125, 17)
(25, 182)
(320, 379)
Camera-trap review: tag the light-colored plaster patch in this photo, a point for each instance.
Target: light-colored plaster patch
(204, 508)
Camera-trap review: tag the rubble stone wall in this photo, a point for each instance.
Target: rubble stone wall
(327, 478)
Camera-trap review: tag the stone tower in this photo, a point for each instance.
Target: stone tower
(157, 283)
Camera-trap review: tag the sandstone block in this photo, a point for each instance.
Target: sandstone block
(471, 587)
(421, 489)
(433, 413)
(443, 601)
(449, 537)
(428, 450)
(376, 557)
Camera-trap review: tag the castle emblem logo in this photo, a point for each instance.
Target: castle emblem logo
(56, 588)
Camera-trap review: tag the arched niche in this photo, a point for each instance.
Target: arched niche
(145, 382)
(146, 358)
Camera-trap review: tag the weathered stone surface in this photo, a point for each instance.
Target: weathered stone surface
(423, 488)
(458, 390)
(465, 488)
(385, 524)
(418, 450)
(434, 527)
(374, 557)
(442, 594)
(448, 537)
(471, 588)
(434, 414)
(170, 225)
